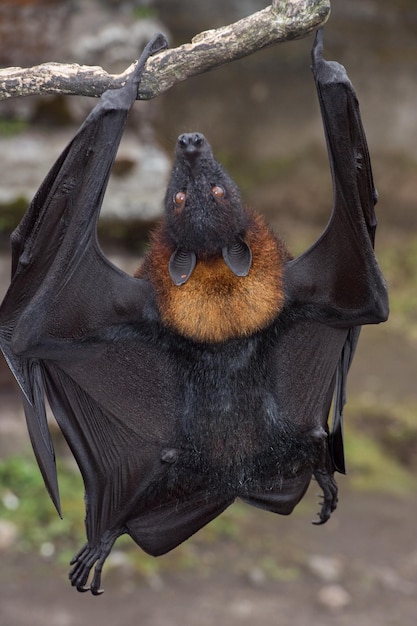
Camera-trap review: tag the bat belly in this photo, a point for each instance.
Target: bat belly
(234, 435)
(242, 451)
(233, 442)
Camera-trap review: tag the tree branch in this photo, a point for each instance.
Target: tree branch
(282, 21)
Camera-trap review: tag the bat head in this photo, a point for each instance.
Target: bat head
(203, 205)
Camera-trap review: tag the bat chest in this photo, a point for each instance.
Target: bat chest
(215, 305)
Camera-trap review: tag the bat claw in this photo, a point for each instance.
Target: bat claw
(158, 43)
(96, 589)
(323, 517)
(96, 592)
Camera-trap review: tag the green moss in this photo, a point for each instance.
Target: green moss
(381, 445)
(25, 502)
(144, 13)
(399, 265)
(11, 213)
(11, 127)
(372, 470)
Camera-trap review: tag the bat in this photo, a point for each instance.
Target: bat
(213, 373)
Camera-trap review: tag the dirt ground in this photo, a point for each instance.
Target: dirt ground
(361, 568)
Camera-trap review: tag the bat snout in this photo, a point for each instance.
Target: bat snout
(192, 145)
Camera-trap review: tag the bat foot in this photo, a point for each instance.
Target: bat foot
(329, 496)
(89, 557)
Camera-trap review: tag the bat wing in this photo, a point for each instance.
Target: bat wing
(72, 326)
(331, 290)
(338, 278)
(54, 250)
(337, 282)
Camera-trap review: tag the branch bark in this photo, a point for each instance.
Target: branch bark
(282, 21)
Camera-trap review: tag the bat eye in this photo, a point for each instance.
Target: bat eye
(218, 191)
(179, 199)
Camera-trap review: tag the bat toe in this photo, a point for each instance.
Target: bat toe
(82, 589)
(95, 586)
(79, 577)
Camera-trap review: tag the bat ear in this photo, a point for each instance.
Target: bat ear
(181, 265)
(238, 258)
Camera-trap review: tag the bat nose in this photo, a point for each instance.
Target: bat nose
(191, 144)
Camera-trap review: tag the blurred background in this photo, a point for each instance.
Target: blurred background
(262, 118)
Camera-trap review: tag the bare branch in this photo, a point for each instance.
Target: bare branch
(282, 21)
